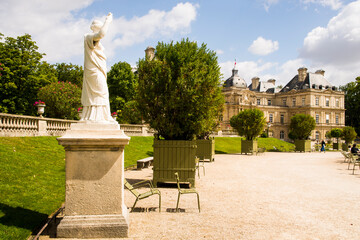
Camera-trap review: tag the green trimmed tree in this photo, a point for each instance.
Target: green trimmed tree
(352, 104)
(67, 72)
(178, 92)
(249, 123)
(336, 133)
(300, 129)
(301, 126)
(348, 134)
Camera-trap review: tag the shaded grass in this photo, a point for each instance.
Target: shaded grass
(32, 183)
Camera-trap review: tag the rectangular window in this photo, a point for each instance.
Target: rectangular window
(317, 101)
(282, 118)
(284, 101)
(269, 102)
(327, 118)
(258, 101)
(337, 119)
(317, 118)
(337, 102)
(303, 101)
(294, 102)
(327, 102)
(271, 117)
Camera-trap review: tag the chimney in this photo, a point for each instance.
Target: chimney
(302, 74)
(272, 81)
(150, 53)
(320, 71)
(255, 83)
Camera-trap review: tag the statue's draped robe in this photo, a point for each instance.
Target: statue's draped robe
(95, 93)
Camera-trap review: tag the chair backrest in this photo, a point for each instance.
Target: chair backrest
(177, 180)
(131, 188)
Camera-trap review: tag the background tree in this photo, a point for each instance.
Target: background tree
(62, 100)
(301, 126)
(249, 123)
(22, 74)
(348, 134)
(178, 92)
(130, 113)
(67, 72)
(122, 83)
(352, 104)
(336, 133)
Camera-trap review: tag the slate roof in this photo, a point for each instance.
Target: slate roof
(268, 87)
(312, 80)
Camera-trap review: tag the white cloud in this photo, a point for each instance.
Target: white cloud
(268, 3)
(335, 46)
(59, 32)
(262, 46)
(333, 4)
(154, 24)
(219, 52)
(248, 69)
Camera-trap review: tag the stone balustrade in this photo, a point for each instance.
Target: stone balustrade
(12, 125)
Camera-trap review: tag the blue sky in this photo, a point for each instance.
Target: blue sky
(268, 38)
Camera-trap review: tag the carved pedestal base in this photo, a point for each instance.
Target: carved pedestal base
(94, 199)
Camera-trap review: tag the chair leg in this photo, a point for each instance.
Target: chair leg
(159, 202)
(198, 201)
(177, 204)
(134, 204)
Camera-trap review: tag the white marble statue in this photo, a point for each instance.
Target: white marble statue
(95, 93)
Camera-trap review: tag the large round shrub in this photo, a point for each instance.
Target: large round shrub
(178, 91)
(336, 133)
(348, 134)
(62, 100)
(249, 123)
(301, 126)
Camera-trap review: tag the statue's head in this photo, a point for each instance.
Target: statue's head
(96, 25)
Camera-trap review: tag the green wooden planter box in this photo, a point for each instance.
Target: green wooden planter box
(249, 146)
(205, 149)
(172, 156)
(335, 146)
(303, 145)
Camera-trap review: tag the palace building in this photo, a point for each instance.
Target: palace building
(308, 93)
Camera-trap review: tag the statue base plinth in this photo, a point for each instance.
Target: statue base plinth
(94, 198)
(93, 226)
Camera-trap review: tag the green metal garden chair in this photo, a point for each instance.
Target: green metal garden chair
(138, 195)
(356, 161)
(185, 191)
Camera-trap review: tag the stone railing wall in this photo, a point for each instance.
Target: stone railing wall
(22, 126)
(12, 125)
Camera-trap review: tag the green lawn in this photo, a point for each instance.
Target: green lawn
(32, 177)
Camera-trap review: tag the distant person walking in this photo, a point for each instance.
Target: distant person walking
(323, 146)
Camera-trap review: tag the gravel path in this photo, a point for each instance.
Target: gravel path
(272, 196)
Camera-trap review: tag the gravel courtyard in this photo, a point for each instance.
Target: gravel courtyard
(271, 196)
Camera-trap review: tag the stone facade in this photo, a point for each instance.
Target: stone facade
(308, 93)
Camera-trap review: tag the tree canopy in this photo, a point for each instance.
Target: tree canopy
(352, 104)
(301, 126)
(178, 92)
(336, 133)
(67, 72)
(22, 74)
(348, 134)
(249, 123)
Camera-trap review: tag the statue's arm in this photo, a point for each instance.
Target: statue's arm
(101, 34)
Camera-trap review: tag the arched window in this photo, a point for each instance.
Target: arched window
(282, 134)
(317, 135)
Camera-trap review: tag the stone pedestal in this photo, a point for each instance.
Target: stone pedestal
(94, 200)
